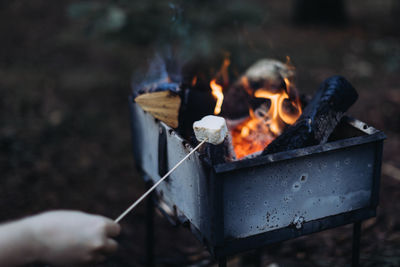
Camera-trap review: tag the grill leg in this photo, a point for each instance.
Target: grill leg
(257, 256)
(222, 262)
(150, 231)
(356, 244)
(252, 258)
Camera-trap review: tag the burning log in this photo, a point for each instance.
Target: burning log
(162, 101)
(195, 105)
(269, 74)
(272, 103)
(319, 118)
(236, 102)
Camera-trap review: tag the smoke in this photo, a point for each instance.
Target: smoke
(155, 74)
(164, 67)
(194, 36)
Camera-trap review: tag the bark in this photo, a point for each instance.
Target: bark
(319, 118)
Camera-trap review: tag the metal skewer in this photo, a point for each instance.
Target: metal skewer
(120, 217)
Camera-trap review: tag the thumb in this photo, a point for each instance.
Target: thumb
(112, 228)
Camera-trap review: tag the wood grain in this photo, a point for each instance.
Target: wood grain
(162, 105)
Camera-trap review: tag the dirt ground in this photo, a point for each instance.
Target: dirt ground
(64, 121)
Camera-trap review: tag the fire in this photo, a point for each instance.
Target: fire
(281, 108)
(265, 123)
(249, 137)
(194, 80)
(219, 96)
(291, 118)
(216, 89)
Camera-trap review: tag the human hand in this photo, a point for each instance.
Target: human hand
(72, 237)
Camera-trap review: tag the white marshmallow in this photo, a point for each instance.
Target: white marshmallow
(212, 128)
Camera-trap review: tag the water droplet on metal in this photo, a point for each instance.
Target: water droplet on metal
(296, 187)
(303, 177)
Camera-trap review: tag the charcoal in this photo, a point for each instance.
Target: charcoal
(319, 118)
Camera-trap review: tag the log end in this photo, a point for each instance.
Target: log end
(163, 105)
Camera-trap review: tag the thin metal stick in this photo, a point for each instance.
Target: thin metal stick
(158, 182)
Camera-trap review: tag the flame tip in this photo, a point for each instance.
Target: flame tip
(265, 124)
(216, 91)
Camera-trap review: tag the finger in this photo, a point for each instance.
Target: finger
(112, 229)
(111, 246)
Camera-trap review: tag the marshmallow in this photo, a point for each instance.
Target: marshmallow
(212, 128)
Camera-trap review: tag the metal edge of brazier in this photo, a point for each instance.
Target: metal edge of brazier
(186, 195)
(214, 199)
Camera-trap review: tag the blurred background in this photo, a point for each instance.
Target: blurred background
(67, 69)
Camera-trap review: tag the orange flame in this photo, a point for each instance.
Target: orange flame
(216, 88)
(265, 123)
(194, 80)
(288, 117)
(219, 96)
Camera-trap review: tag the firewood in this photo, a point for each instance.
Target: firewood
(236, 102)
(269, 74)
(163, 105)
(319, 118)
(195, 105)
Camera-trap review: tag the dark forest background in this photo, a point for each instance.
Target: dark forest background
(67, 69)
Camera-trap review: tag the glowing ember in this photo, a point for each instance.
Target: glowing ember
(281, 107)
(249, 136)
(194, 80)
(219, 96)
(265, 123)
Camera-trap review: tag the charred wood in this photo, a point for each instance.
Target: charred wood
(221, 153)
(319, 118)
(236, 102)
(268, 74)
(195, 105)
